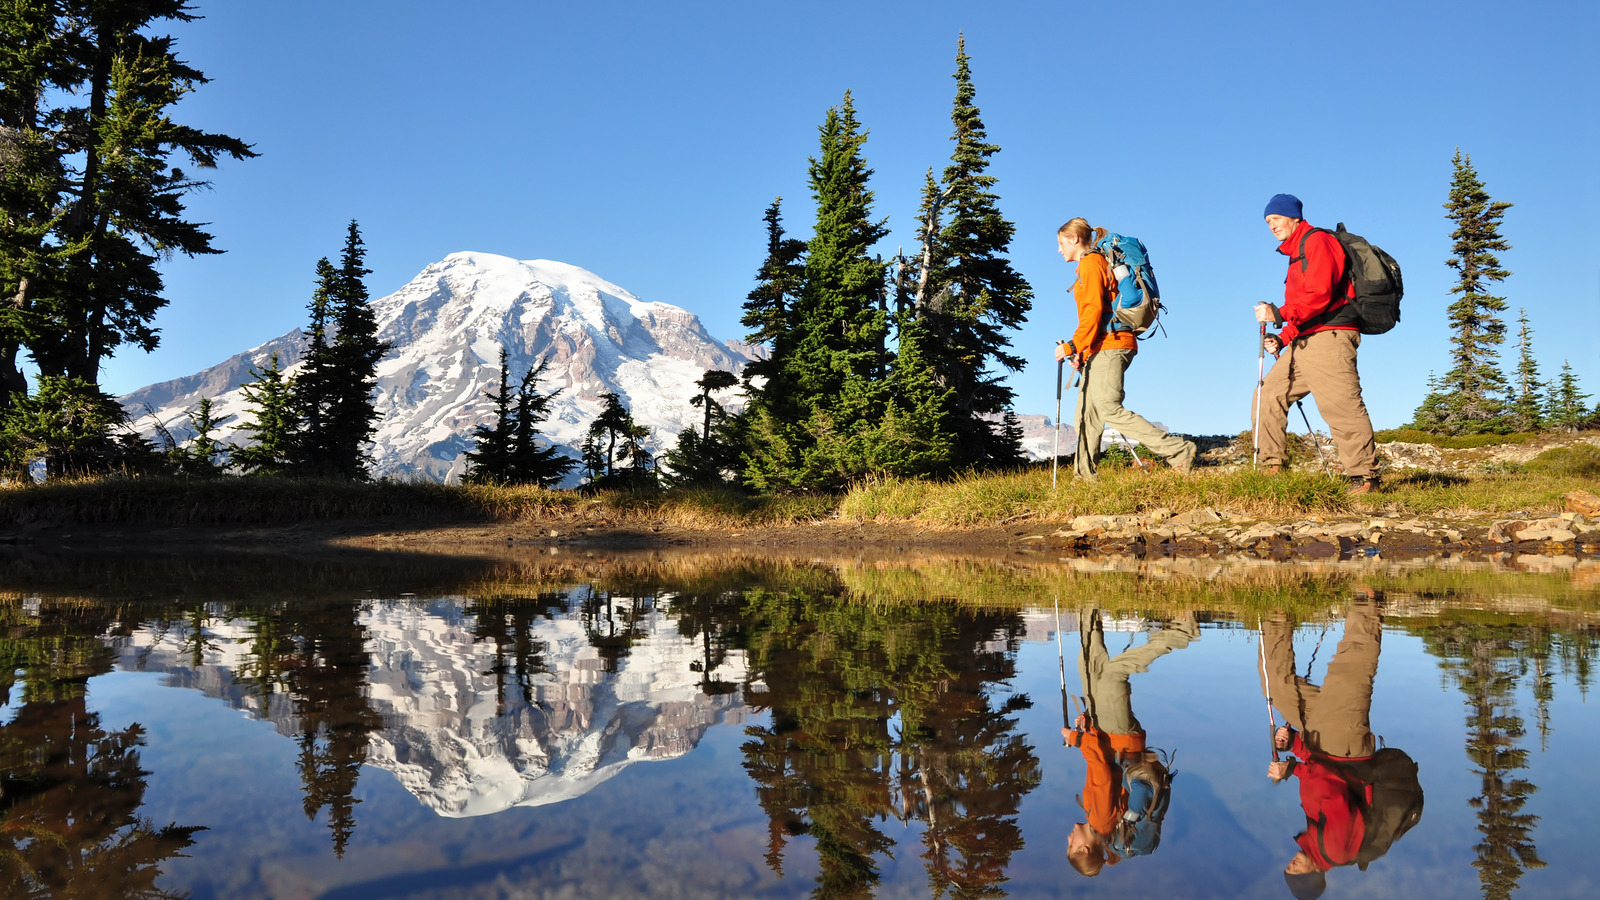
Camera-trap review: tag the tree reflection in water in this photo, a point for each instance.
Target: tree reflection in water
(70, 791)
(879, 713)
(1488, 662)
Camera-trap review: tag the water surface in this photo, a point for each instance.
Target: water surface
(666, 727)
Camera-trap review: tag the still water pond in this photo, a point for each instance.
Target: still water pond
(738, 728)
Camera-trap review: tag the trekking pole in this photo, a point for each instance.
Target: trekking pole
(1312, 435)
(1139, 463)
(1272, 719)
(1261, 382)
(1061, 660)
(1055, 451)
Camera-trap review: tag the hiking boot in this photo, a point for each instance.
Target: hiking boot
(1183, 460)
(1363, 485)
(1272, 469)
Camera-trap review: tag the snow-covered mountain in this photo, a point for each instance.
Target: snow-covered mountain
(445, 330)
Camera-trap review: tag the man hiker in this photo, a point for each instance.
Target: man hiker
(1318, 345)
(1113, 746)
(1357, 800)
(1101, 355)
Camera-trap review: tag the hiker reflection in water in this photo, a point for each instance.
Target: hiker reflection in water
(1357, 800)
(1125, 787)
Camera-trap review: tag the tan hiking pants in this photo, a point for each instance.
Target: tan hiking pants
(1333, 718)
(1106, 679)
(1323, 365)
(1100, 404)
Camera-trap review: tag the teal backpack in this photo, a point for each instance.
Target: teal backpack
(1137, 305)
(1148, 781)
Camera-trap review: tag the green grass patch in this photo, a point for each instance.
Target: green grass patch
(1577, 461)
(1451, 442)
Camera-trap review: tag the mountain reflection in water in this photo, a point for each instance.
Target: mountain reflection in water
(470, 729)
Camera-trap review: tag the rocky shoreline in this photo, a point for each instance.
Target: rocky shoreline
(1205, 532)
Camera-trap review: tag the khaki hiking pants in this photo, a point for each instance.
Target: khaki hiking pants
(1100, 404)
(1333, 718)
(1106, 679)
(1323, 365)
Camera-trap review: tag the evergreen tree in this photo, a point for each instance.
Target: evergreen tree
(613, 422)
(335, 397)
(200, 456)
(973, 296)
(276, 425)
(528, 462)
(1566, 407)
(713, 380)
(1468, 395)
(317, 384)
(813, 425)
(67, 423)
(489, 461)
(1524, 408)
(710, 456)
(93, 284)
(768, 308)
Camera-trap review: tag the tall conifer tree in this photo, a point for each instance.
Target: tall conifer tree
(1525, 408)
(814, 427)
(1469, 394)
(529, 463)
(489, 460)
(768, 310)
(334, 396)
(974, 296)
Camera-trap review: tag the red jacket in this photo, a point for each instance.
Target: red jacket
(1334, 824)
(1321, 288)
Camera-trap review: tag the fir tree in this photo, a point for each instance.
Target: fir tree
(118, 198)
(529, 463)
(489, 460)
(335, 395)
(707, 457)
(812, 425)
(713, 380)
(973, 294)
(769, 306)
(276, 425)
(1524, 408)
(200, 456)
(1469, 393)
(1565, 406)
(613, 422)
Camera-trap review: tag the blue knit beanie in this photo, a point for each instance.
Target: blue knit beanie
(1283, 205)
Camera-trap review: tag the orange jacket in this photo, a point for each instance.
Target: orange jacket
(1094, 293)
(1104, 797)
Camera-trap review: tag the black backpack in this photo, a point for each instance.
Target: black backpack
(1375, 276)
(1395, 806)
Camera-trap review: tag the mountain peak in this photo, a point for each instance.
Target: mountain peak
(445, 329)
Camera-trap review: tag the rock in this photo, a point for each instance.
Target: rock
(1198, 517)
(1504, 531)
(1583, 502)
(1574, 518)
(1346, 529)
(1545, 530)
(1158, 515)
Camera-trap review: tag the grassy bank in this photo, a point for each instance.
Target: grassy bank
(1534, 489)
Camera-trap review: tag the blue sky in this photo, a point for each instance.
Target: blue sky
(643, 141)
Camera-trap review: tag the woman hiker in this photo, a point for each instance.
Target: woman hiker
(1101, 355)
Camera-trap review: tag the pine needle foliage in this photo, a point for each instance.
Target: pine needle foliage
(1468, 398)
(975, 296)
(1525, 409)
(1565, 406)
(813, 423)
